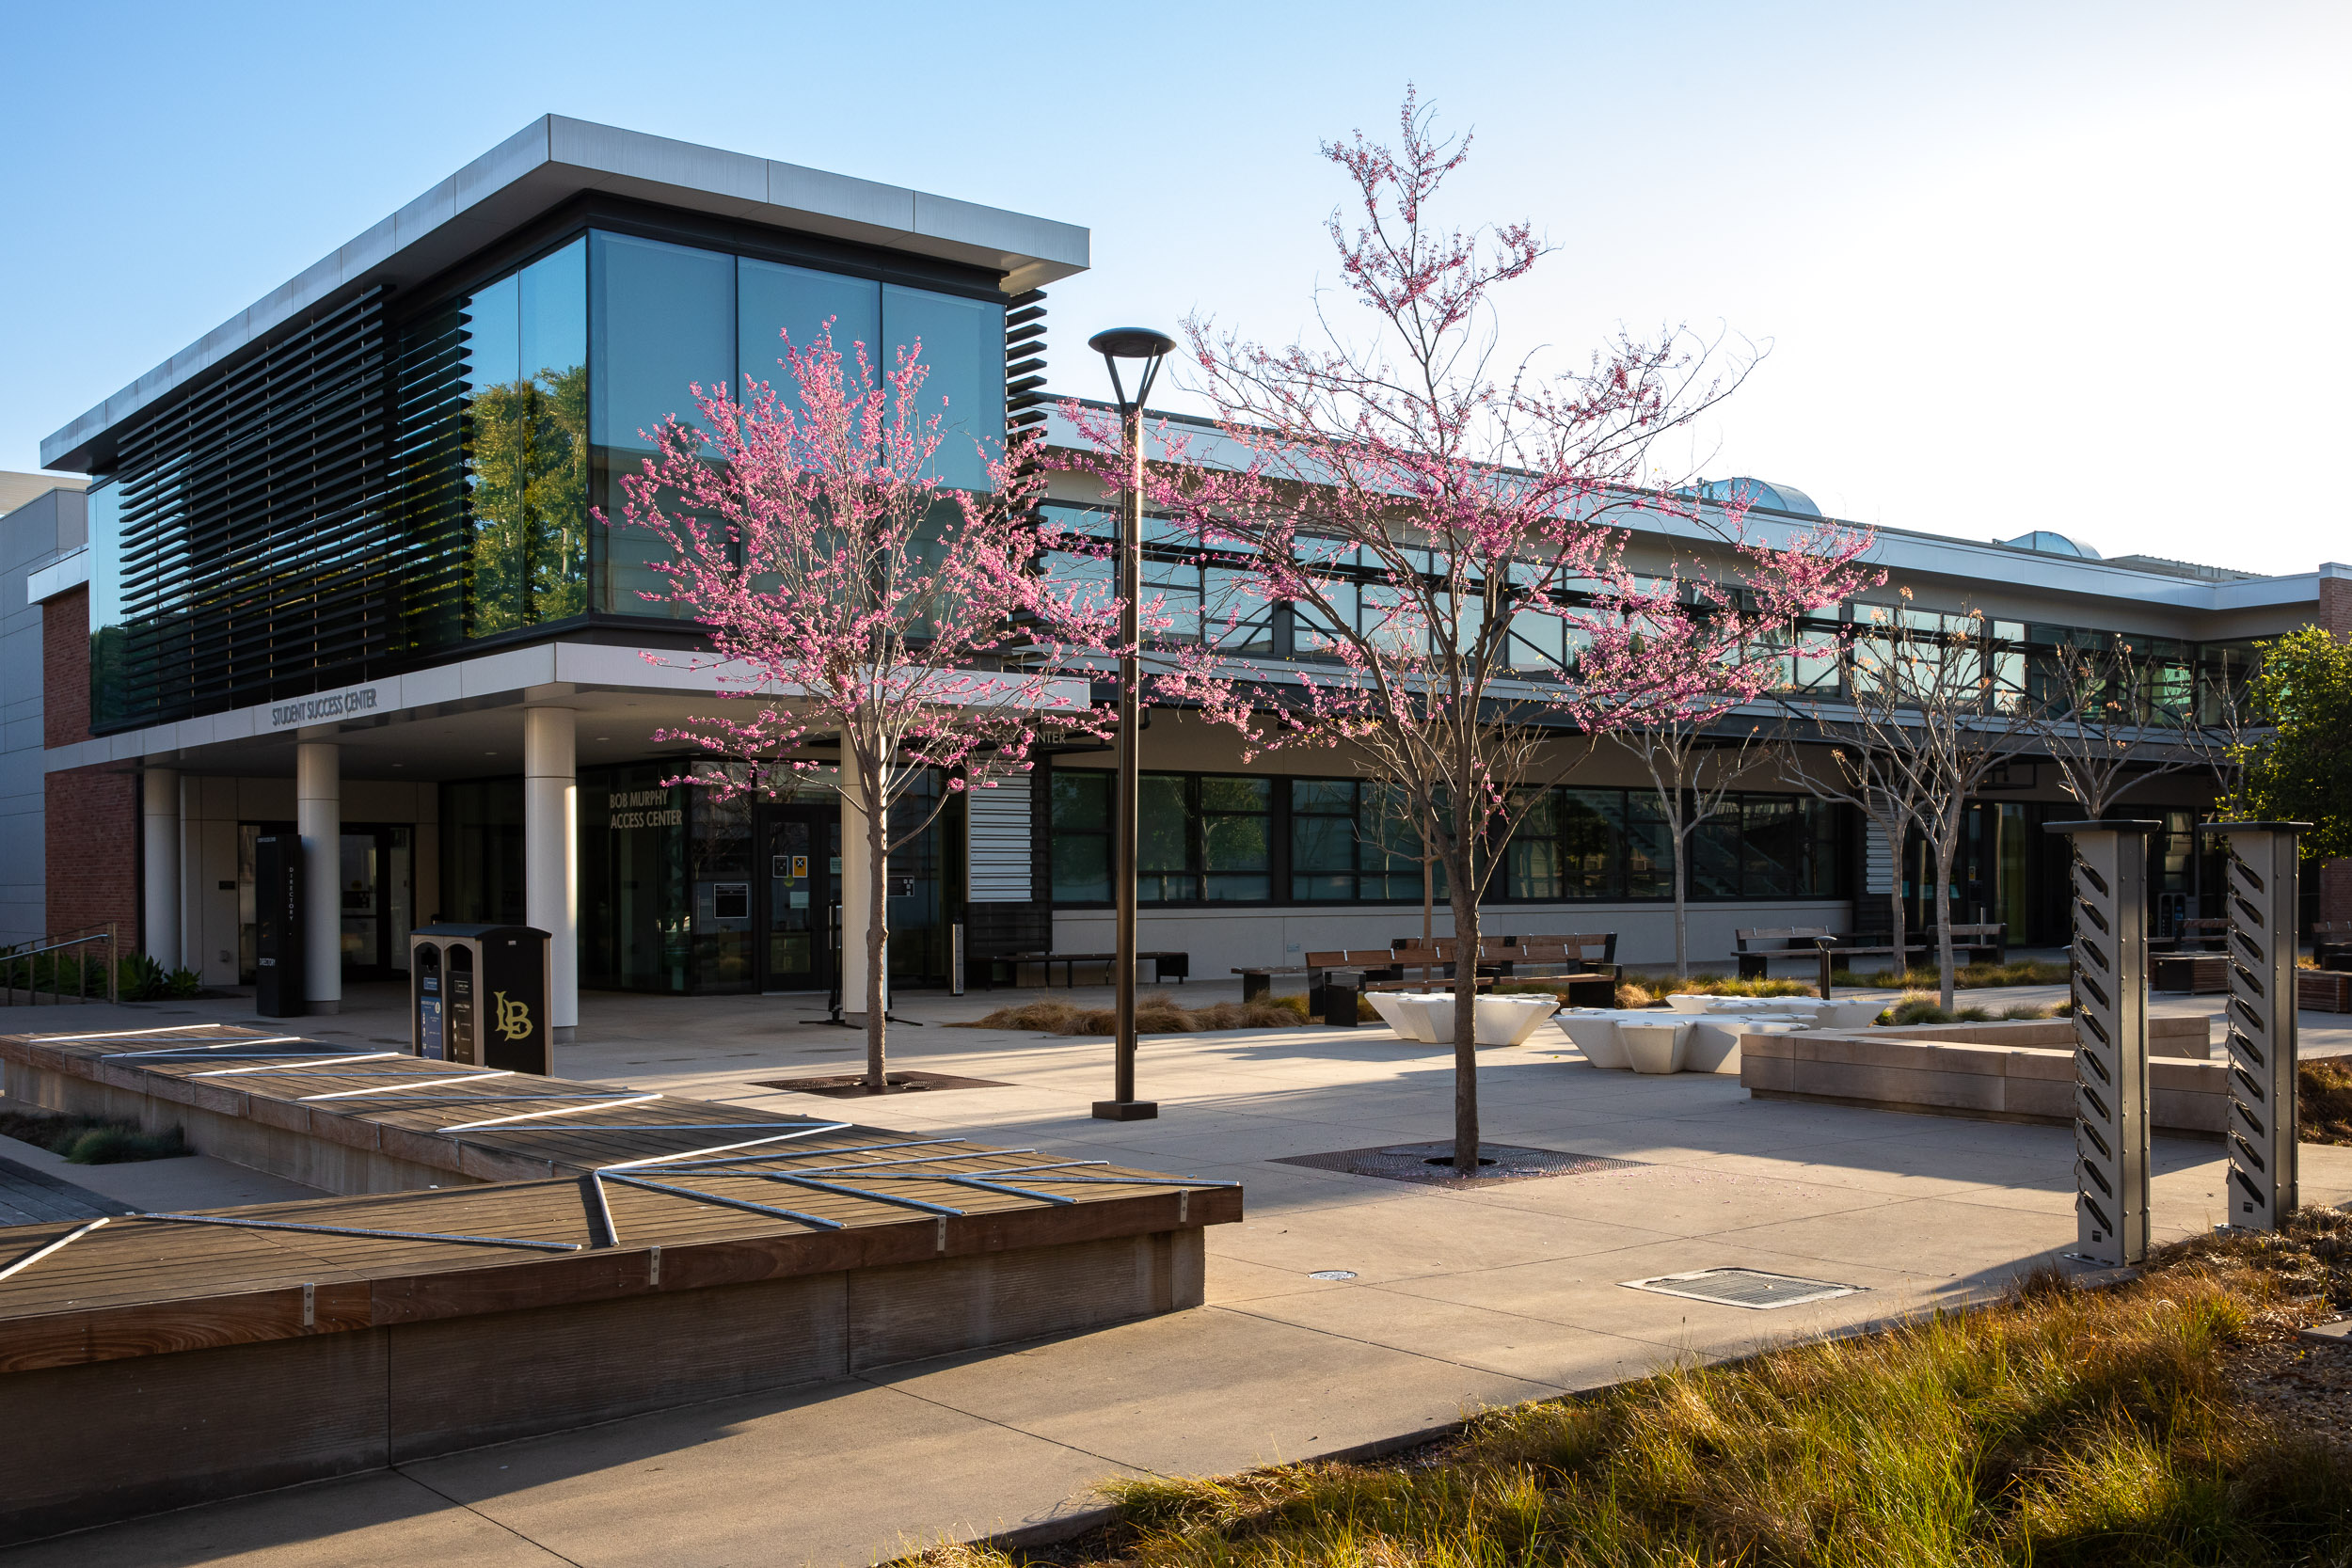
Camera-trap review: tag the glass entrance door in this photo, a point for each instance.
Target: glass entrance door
(798, 847)
(375, 874)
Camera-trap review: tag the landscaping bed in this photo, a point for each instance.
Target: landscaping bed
(1159, 1013)
(2175, 1419)
(91, 1140)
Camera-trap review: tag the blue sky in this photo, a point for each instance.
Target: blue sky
(2054, 265)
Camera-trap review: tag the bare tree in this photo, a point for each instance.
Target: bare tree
(1693, 772)
(1851, 770)
(2102, 714)
(1926, 703)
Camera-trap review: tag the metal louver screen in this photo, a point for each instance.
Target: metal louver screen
(259, 557)
(1000, 842)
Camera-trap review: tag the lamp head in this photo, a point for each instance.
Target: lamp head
(1132, 342)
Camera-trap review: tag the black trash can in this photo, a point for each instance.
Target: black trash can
(480, 995)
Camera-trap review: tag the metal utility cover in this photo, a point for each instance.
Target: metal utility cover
(1749, 1287)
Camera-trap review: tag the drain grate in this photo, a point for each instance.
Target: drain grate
(1749, 1288)
(1432, 1163)
(851, 1086)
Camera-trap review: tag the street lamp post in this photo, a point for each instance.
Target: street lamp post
(1146, 347)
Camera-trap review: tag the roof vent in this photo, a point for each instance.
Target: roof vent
(2049, 543)
(1759, 492)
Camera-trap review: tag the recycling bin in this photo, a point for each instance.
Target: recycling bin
(480, 994)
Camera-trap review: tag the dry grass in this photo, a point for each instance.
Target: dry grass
(2061, 1426)
(2024, 972)
(1929, 1010)
(1649, 990)
(1157, 1013)
(2323, 1101)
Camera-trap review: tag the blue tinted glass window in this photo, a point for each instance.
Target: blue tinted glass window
(775, 301)
(553, 307)
(963, 345)
(106, 630)
(497, 458)
(661, 321)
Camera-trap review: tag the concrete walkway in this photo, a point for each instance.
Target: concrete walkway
(1457, 1300)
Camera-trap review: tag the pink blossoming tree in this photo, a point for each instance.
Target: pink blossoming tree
(849, 595)
(1449, 539)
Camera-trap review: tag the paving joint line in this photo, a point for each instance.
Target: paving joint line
(871, 1382)
(402, 1471)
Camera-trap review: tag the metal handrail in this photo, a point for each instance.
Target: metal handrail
(9, 957)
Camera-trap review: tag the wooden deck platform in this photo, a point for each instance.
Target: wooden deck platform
(590, 1251)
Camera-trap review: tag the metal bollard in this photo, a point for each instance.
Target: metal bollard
(2110, 992)
(2261, 871)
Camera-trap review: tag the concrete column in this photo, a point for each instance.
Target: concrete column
(552, 854)
(855, 895)
(192, 880)
(159, 912)
(319, 819)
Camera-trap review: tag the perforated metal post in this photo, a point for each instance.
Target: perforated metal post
(2110, 990)
(2259, 874)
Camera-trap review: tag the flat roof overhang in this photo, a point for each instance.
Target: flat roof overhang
(553, 159)
(455, 720)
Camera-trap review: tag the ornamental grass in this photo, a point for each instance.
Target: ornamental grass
(2172, 1421)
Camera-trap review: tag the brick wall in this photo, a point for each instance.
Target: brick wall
(93, 849)
(2335, 605)
(65, 667)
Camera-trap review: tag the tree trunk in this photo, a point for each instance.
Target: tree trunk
(1947, 833)
(877, 932)
(1895, 900)
(1465, 1013)
(1682, 904)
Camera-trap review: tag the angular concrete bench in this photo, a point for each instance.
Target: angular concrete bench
(1991, 1071)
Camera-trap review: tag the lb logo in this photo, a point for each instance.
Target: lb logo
(514, 1016)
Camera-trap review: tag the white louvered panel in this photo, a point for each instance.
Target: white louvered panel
(1878, 868)
(1000, 842)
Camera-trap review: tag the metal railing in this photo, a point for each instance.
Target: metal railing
(21, 967)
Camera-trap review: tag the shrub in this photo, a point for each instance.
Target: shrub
(1158, 1013)
(91, 1140)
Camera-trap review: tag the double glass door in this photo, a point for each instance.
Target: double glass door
(799, 866)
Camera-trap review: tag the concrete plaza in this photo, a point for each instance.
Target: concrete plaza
(1457, 1299)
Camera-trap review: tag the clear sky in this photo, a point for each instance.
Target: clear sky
(2077, 266)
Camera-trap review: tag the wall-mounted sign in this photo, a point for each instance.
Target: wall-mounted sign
(641, 808)
(328, 706)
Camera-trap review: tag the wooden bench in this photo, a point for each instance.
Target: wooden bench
(1581, 948)
(2199, 935)
(1988, 936)
(1257, 980)
(1828, 946)
(1165, 966)
(2331, 944)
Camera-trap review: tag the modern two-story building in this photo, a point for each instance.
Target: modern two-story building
(343, 575)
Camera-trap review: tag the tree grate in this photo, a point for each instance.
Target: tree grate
(1749, 1287)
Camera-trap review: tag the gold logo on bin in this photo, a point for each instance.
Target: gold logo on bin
(514, 1016)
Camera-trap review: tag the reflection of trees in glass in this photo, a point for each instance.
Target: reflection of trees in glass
(529, 483)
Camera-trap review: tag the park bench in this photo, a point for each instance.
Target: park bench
(2199, 935)
(1990, 937)
(2331, 944)
(1828, 946)
(1257, 980)
(1165, 966)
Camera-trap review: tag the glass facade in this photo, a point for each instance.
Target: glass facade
(1218, 839)
(633, 926)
